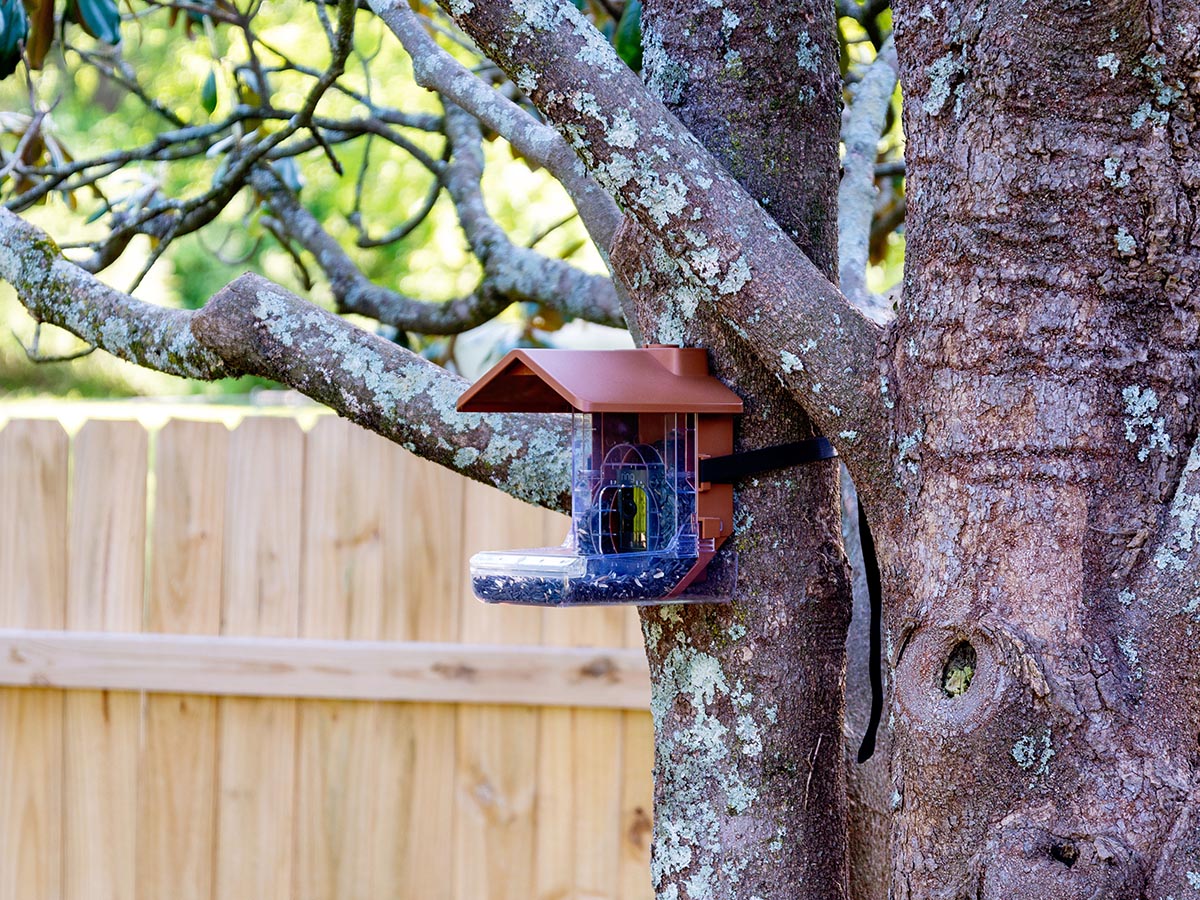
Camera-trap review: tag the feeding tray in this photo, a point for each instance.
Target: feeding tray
(644, 529)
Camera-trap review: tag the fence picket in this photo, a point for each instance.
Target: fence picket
(636, 820)
(556, 803)
(497, 747)
(260, 596)
(176, 797)
(340, 849)
(423, 576)
(33, 550)
(599, 766)
(107, 559)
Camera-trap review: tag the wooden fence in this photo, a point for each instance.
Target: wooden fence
(246, 664)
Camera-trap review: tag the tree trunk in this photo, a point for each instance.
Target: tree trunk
(1041, 588)
(747, 698)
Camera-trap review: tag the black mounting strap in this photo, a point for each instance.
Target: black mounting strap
(735, 466)
(875, 591)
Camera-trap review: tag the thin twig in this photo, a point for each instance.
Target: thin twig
(275, 227)
(540, 236)
(34, 356)
(405, 228)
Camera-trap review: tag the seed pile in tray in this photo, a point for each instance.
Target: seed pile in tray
(653, 582)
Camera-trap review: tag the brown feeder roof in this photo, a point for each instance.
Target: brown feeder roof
(649, 380)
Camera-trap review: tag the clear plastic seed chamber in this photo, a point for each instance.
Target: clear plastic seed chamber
(633, 534)
(644, 529)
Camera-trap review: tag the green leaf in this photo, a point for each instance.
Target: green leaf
(208, 93)
(99, 18)
(14, 28)
(41, 31)
(627, 39)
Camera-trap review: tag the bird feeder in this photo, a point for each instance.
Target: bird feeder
(644, 528)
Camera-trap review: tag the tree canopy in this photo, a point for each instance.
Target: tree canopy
(107, 122)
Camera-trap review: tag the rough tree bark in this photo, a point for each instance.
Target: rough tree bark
(749, 790)
(1038, 387)
(1045, 368)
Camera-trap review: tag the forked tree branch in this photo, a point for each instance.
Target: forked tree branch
(436, 69)
(254, 327)
(768, 294)
(511, 274)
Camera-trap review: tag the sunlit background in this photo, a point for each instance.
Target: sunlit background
(192, 67)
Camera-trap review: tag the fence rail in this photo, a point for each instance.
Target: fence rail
(335, 670)
(179, 604)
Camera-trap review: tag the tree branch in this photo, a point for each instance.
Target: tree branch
(512, 274)
(398, 232)
(517, 272)
(254, 327)
(1159, 609)
(437, 70)
(168, 145)
(1172, 566)
(184, 217)
(57, 291)
(767, 293)
(259, 328)
(857, 193)
(419, 121)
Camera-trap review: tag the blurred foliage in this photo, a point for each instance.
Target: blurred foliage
(99, 77)
(196, 70)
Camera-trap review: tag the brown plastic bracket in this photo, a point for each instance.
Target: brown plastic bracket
(714, 502)
(692, 575)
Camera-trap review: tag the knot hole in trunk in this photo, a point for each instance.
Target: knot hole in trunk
(959, 670)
